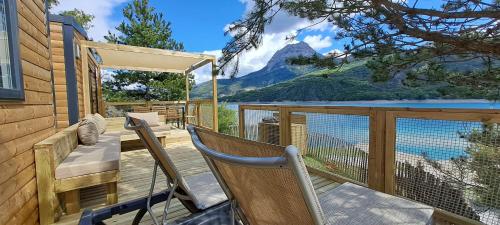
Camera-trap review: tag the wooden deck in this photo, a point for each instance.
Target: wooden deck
(136, 172)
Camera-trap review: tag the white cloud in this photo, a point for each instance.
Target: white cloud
(107, 74)
(249, 61)
(318, 42)
(274, 39)
(204, 73)
(334, 51)
(101, 9)
(283, 22)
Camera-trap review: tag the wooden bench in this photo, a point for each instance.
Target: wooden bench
(130, 140)
(63, 167)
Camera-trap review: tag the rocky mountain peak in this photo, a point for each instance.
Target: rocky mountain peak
(292, 50)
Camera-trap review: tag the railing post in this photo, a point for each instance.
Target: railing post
(285, 126)
(241, 123)
(390, 151)
(186, 112)
(376, 152)
(198, 117)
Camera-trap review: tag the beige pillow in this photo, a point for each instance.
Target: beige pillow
(87, 131)
(100, 122)
(151, 118)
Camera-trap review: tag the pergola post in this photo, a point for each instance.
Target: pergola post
(186, 107)
(215, 104)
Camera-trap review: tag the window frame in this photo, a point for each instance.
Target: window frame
(17, 92)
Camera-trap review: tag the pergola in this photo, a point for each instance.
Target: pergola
(126, 57)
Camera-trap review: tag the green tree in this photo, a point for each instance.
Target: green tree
(485, 162)
(397, 35)
(482, 160)
(82, 18)
(228, 120)
(146, 28)
(52, 3)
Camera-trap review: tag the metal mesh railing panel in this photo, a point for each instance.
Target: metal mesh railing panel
(333, 142)
(449, 164)
(206, 115)
(191, 114)
(262, 126)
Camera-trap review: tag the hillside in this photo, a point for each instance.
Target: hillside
(276, 70)
(353, 82)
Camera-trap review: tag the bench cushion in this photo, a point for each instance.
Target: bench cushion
(101, 157)
(151, 118)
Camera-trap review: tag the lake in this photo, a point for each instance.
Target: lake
(436, 139)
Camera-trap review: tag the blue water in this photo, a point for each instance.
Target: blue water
(436, 139)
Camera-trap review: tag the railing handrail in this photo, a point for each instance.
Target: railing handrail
(306, 108)
(182, 102)
(195, 101)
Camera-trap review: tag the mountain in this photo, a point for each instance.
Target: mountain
(353, 82)
(276, 70)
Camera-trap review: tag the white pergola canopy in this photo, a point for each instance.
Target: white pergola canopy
(127, 57)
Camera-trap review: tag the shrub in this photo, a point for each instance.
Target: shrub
(228, 120)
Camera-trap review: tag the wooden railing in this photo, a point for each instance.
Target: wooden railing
(200, 112)
(401, 151)
(118, 109)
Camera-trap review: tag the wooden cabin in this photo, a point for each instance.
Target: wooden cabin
(65, 39)
(26, 105)
(36, 101)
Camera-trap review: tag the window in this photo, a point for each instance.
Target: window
(11, 86)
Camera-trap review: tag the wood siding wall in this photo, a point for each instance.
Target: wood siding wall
(24, 123)
(79, 77)
(58, 66)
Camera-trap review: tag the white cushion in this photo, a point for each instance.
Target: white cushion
(100, 122)
(151, 118)
(104, 156)
(205, 190)
(354, 204)
(87, 131)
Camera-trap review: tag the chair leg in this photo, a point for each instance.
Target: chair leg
(112, 193)
(163, 141)
(72, 201)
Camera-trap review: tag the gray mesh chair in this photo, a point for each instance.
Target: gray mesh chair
(269, 184)
(197, 192)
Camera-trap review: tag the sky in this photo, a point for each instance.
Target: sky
(200, 26)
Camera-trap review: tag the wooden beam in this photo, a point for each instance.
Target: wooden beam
(198, 65)
(186, 107)
(285, 127)
(72, 201)
(215, 103)
(376, 152)
(241, 126)
(86, 82)
(390, 154)
(151, 69)
(136, 49)
(198, 114)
